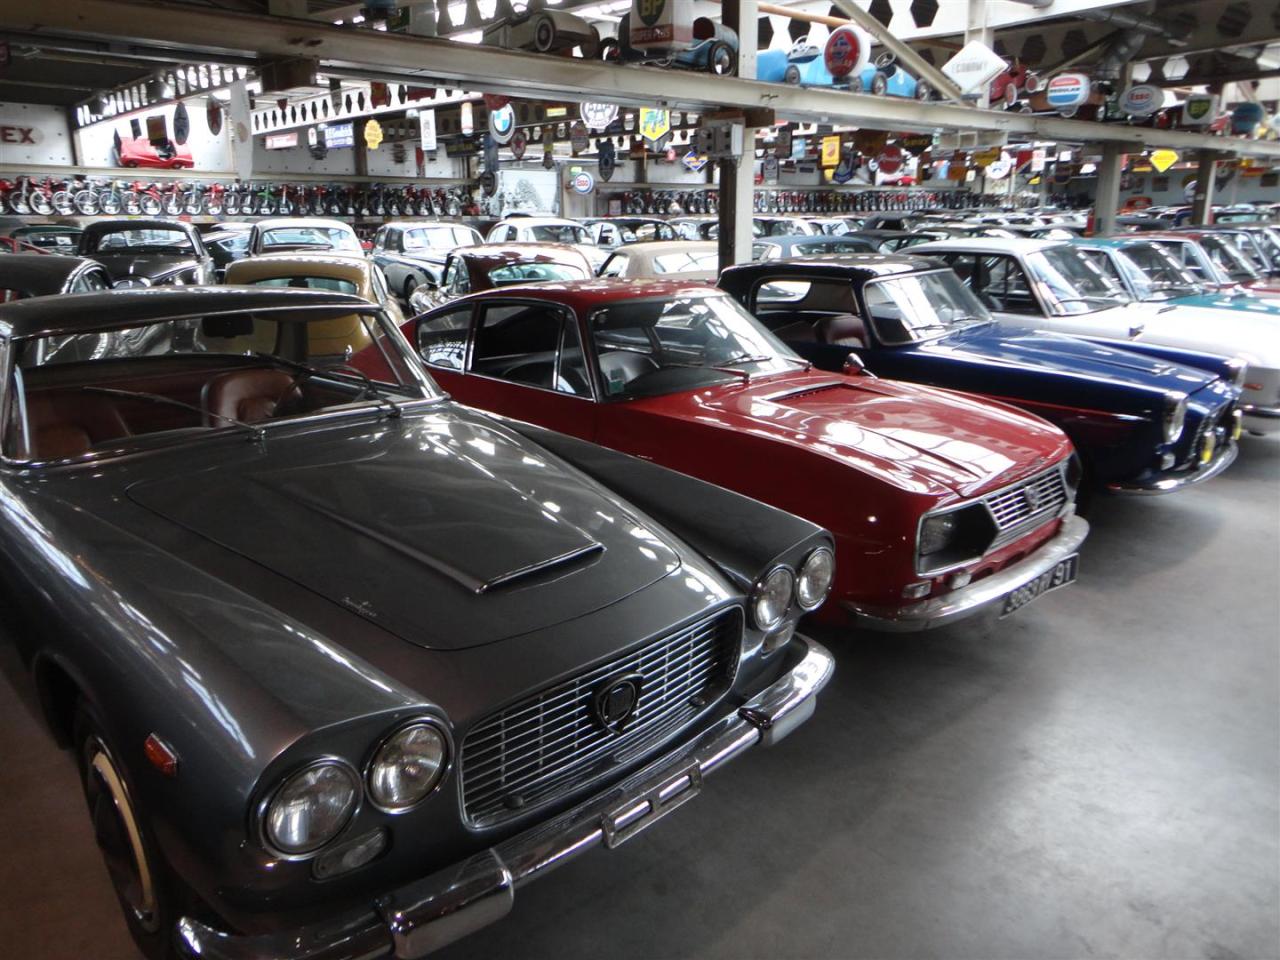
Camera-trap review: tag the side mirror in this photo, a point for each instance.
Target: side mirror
(854, 367)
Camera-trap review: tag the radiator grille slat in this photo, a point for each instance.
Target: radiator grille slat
(1019, 509)
(540, 747)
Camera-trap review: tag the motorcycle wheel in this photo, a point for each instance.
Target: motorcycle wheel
(63, 203)
(86, 202)
(110, 203)
(194, 208)
(212, 206)
(41, 204)
(286, 207)
(17, 205)
(231, 204)
(172, 206)
(149, 204)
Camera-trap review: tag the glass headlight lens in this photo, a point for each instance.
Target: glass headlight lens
(311, 808)
(936, 533)
(814, 582)
(407, 766)
(1175, 415)
(771, 597)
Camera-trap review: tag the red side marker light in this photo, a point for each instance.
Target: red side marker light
(161, 756)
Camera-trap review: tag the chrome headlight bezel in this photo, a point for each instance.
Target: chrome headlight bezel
(438, 778)
(1239, 368)
(780, 584)
(269, 837)
(1175, 416)
(804, 571)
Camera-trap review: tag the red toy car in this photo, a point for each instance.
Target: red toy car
(141, 152)
(912, 481)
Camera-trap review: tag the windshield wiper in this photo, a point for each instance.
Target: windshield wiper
(256, 431)
(371, 390)
(732, 371)
(765, 358)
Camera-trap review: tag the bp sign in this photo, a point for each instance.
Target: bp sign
(1067, 91)
(1199, 109)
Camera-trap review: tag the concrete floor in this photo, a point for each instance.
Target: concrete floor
(1098, 776)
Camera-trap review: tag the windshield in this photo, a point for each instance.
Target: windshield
(320, 238)
(1071, 283)
(654, 347)
(151, 240)
(1163, 275)
(535, 273)
(1228, 258)
(1250, 245)
(921, 306)
(560, 233)
(108, 392)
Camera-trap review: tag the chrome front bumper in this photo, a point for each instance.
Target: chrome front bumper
(1168, 484)
(430, 913)
(1259, 419)
(967, 601)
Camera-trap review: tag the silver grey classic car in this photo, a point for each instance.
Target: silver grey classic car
(342, 663)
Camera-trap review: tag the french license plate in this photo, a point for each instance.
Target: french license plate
(1063, 573)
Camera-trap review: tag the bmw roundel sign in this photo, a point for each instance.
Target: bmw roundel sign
(1067, 91)
(502, 124)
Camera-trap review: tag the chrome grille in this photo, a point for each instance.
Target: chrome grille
(541, 747)
(1019, 509)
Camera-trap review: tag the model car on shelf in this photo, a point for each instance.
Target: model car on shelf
(316, 636)
(677, 373)
(610, 233)
(670, 259)
(1046, 285)
(163, 154)
(286, 234)
(488, 265)
(145, 253)
(414, 253)
(712, 48)
(544, 30)
(1141, 423)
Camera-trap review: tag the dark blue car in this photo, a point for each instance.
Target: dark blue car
(1144, 419)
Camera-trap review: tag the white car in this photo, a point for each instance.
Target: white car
(547, 230)
(303, 234)
(674, 259)
(1048, 285)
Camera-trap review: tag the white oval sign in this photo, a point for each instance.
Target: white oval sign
(1142, 100)
(1067, 90)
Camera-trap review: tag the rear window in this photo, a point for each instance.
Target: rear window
(333, 284)
(320, 238)
(535, 273)
(687, 262)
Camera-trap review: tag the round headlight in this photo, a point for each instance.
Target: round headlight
(311, 807)
(1175, 415)
(407, 766)
(814, 582)
(771, 597)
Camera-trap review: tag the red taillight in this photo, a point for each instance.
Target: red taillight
(161, 756)
(1253, 386)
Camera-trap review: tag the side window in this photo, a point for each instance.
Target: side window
(1104, 265)
(520, 342)
(616, 266)
(1004, 286)
(380, 239)
(457, 281)
(442, 339)
(571, 374)
(380, 293)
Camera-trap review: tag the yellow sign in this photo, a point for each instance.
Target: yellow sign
(1162, 160)
(984, 158)
(830, 151)
(372, 134)
(654, 124)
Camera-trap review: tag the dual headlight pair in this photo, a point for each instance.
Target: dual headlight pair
(313, 805)
(772, 596)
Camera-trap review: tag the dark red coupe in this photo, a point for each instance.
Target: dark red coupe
(942, 504)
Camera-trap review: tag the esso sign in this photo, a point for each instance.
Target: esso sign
(846, 52)
(1067, 91)
(1142, 100)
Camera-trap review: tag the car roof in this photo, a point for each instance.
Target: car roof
(110, 226)
(523, 252)
(272, 223)
(539, 221)
(584, 295)
(78, 313)
(326, 264)
(866, 265)
(38, 271)
(1014, 245)
(656, 248)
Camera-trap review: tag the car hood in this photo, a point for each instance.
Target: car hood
(1241, 300)
(152, 265)
(1221, 333)
(1046, 353)
(444, 528)
(911, 435)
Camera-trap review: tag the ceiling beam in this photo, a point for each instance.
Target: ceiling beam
(442, 63)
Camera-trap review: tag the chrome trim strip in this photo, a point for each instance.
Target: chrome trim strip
(1167, 484)
(428, 914)
(967, 601)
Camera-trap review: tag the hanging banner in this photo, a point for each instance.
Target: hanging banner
(548, 149)
(830, 151)
(984, 158)
(598, 116)
(654, 124)
(915, 143)
(843, 172)
(578, 138)
(502, 123)
(518, 142)
(427, 130)
(339, 135)
(467, 119)
(379, 94)
(608, 159)
(372, 134)
(1162, 160)
(213, 116)
(770, 168)
(181, 123)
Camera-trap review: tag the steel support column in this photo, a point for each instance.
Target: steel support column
(976, 29)
(737, 174)
(1202, 204)
(1107, 202)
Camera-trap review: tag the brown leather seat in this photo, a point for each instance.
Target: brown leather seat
(844, 330)
(69, 423)
(248, 395)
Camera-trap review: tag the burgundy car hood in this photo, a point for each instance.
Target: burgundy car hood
(905, 432)
(449, 532)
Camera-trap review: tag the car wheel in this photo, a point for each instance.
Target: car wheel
(141, 879)
(791, 75)
(410, 285)
(923, 90)
(609, 50)
(879, 84)
(544, 35)
(721, 60)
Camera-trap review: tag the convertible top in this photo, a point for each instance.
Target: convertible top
(88, 312)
